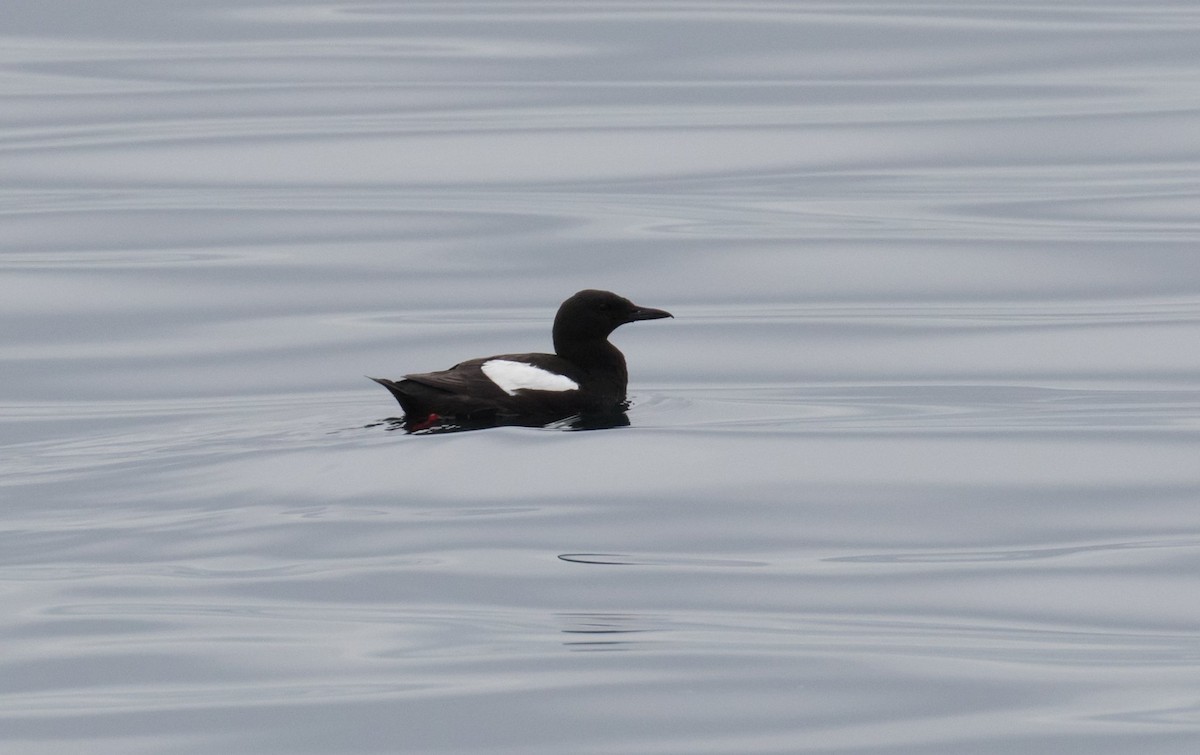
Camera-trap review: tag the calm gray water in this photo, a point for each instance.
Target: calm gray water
(915, 469)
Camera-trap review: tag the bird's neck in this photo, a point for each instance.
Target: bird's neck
(594, 355)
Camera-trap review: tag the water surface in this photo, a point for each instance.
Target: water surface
(913, 469)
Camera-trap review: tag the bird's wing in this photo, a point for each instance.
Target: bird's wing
(469, 378)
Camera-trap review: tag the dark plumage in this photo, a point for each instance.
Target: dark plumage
(585, 375)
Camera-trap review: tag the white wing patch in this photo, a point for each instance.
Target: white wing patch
(513, 376)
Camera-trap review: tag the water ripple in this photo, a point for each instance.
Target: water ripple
(691, 562)
(1020, 554)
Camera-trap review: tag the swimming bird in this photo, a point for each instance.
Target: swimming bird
(585, 375)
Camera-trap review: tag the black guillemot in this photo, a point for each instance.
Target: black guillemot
(586, 374)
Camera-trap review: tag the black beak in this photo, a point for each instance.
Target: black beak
(646, 313)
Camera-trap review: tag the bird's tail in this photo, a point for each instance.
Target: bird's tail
(407, 402)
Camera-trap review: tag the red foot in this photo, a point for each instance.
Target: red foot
(424, 424)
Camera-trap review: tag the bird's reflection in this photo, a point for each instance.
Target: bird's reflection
(589, 631)
(439, 426)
